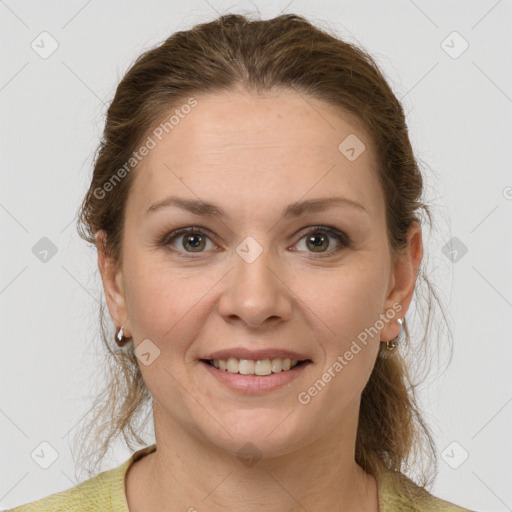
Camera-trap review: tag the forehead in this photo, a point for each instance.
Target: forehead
(258, 148)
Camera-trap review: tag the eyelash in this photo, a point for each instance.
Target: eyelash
(339, 236)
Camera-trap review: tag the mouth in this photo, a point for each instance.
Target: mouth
(258, 368)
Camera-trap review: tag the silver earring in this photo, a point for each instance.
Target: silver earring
(121, 340)
(392, 344)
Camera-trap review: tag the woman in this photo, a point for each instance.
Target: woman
(255, 207)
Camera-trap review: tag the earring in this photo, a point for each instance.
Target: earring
(392, 344)
(121, 340)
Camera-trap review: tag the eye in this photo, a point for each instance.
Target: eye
(192, 237)
(317, 240)
(194, 240)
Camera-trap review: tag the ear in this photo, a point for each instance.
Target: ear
(113, 284)
(403, 281)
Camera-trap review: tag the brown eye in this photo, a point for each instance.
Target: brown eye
(193, 240)
(318, 240)
(196, 241)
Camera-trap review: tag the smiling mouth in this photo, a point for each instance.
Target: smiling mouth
(260, 367)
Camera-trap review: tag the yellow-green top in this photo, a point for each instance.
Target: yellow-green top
(106, 492)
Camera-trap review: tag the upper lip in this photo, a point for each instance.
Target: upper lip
(264, 353)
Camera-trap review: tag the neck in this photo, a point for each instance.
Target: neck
(187, 473)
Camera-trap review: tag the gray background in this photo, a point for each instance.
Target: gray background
(458, 105)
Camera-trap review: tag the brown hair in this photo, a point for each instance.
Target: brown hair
(287, 52)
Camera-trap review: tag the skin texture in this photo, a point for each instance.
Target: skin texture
(253, 156)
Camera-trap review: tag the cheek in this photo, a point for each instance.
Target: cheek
(167, 305)
(343, 303)
(342, 307)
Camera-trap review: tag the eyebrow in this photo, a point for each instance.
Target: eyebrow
(204, 208)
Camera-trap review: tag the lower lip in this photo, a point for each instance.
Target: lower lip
(255, 384)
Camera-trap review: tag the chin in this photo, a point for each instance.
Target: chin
(257, 434)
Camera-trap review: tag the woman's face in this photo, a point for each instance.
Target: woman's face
(253, 279)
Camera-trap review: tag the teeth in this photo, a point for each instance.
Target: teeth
(245, 367)
(251, 367)
(232, 365)
(277, 365)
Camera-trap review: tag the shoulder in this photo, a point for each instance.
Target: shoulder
(105, 492)
(398, 492)
(93, 494)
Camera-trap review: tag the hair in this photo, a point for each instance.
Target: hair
(285, 53)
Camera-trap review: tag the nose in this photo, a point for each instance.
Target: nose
(255, 293)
